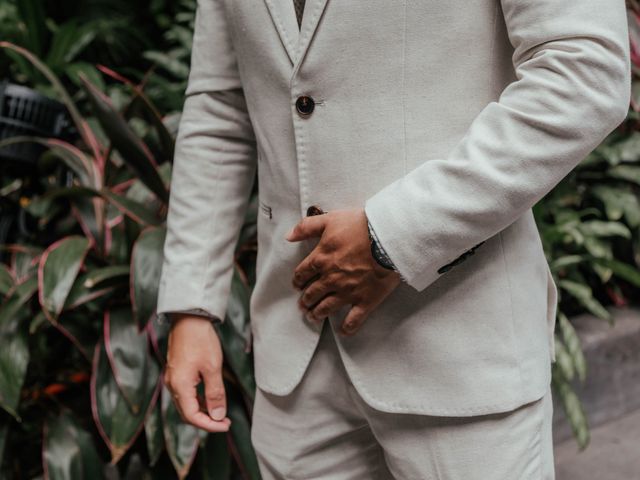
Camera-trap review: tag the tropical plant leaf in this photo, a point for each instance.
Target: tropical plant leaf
(33, 15)
(80, 332)
(58, 269)
(573, 409)
(123, 138)
(630, 173)
(6, 280)
(101, 275)
(215, 458)
(118, 426)
(148, 110)
(24, 262)
(127, 349)
(240, 438)
(625, 271)
(74, 158)
(564, 361)
(600, 228)
(69, 40)
(81, 124)
(4, 431)
(80, 293)
(154, 434)
(14, 354)
(235, 334)
(181, 438)
(573, 348)
(68, 450)
(146, 264)
(131, 208)
(583, 294)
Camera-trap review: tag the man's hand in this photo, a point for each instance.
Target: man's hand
(194, 353)
(340, 270)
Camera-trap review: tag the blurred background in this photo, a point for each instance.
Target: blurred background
(90, 99)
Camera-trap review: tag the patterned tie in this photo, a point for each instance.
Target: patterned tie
(298, 5)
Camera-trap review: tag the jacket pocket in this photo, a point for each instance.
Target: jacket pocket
(266, 210)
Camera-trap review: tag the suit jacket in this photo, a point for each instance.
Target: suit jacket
(445, 121)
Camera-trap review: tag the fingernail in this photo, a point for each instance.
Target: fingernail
(310, 317)
(289, 233)
(218, 413)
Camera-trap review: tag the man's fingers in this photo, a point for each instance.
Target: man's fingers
(313, 265)
(307, 227)
(354, 319)
(317, 290)
(214, 393)
(328, 305)
(190, 408)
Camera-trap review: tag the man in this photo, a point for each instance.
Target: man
(403, 310)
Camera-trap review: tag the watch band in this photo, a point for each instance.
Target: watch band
(378, 252)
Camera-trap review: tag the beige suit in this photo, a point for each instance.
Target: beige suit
(447, 121)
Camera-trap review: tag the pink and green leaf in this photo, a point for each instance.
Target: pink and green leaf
(117, 425)
(58, 268)
(146, 265)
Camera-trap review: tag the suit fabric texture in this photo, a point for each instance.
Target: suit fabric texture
(332, 433)
(446, 122)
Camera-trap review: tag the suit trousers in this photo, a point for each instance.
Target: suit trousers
(324, 429)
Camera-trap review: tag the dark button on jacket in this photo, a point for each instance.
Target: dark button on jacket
(304, 105)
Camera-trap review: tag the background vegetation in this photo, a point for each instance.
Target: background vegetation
(81, 349)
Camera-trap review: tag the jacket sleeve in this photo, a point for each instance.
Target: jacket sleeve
(573, 88)
(213, 172)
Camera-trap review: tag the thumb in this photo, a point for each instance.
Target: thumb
(307, 227)
(214, 393)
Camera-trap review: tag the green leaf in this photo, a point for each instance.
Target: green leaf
(74, 158)
(235, 334)
(146, 264)
(100, 275)
(131, 208)
(181, 438)
(563, 359)
(565, 261)
(215, 459)
(573, 347)
(58, 269)
(14, 354)
(80, 293)
(133, 151)
(154, 434)
(4, 431)
(118, 426)
(6, 279)
(83, 128)
(127, 349)
(68, 41)
(24, 262)
(627, 272)
(630, 173)
(68, 450)
(33, 15)
(240, 431)
(573, 409)
(584, 295)
(83, 335)
(599, 228)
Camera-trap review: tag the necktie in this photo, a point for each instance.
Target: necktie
(298, 5)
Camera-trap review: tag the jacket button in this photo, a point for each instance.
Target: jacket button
(304, 105)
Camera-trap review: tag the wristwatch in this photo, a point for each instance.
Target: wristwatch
(377, 251)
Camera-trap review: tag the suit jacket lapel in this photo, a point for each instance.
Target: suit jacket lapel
(295, 41)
